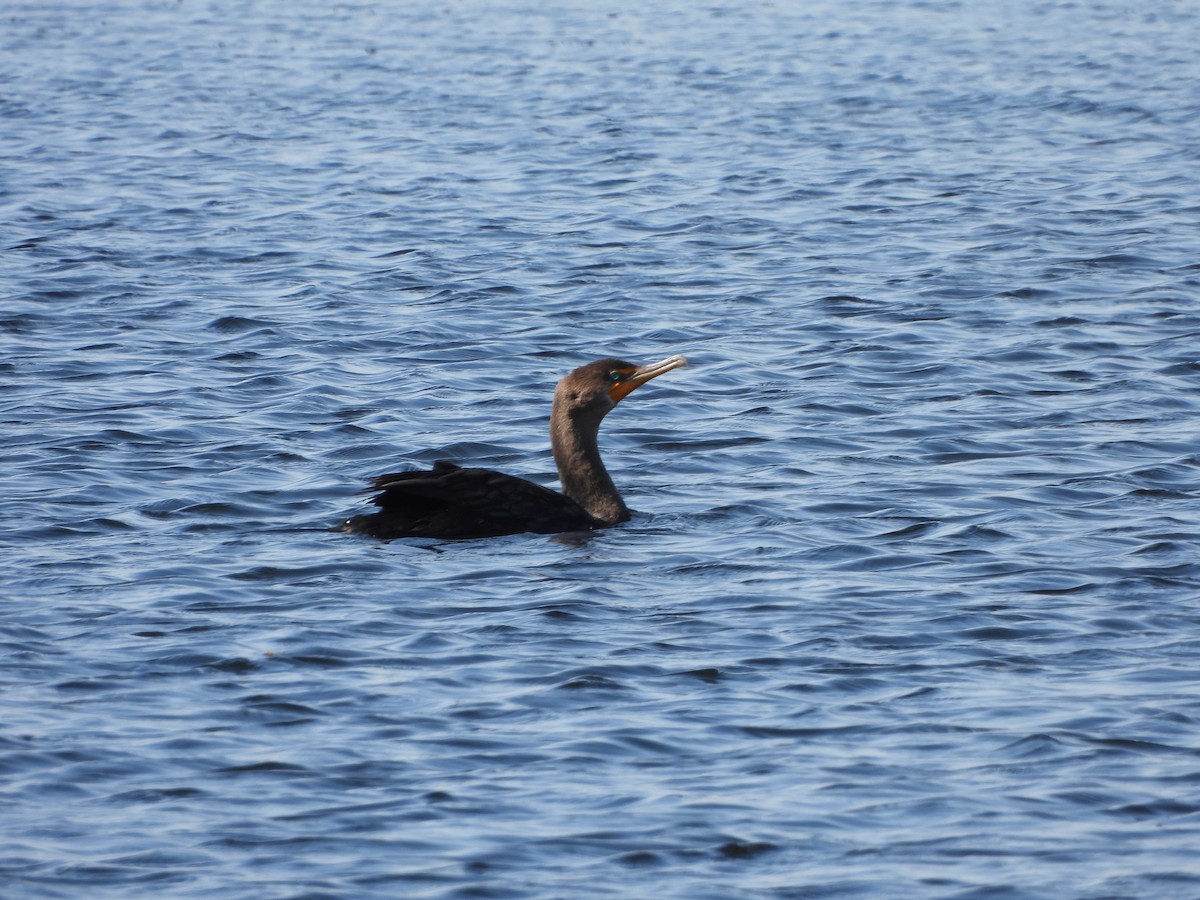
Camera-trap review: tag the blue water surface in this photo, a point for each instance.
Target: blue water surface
(910, 603)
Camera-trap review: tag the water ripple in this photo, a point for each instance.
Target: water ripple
(907, 603)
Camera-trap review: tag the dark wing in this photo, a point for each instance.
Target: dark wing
(448, 501)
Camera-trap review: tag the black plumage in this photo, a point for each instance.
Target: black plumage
(450, 501)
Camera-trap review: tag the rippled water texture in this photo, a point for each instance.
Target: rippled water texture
(910, 604)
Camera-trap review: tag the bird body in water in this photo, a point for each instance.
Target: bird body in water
(450, 501)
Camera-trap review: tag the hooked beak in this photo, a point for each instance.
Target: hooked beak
(642, 374)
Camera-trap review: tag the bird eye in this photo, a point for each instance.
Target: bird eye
(614, 376)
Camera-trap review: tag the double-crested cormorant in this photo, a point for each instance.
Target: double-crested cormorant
(449, 501)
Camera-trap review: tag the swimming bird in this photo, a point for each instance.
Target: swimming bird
(450, 501)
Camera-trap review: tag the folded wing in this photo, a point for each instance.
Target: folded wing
(449, 501)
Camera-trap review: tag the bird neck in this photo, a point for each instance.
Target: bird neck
(574, 438)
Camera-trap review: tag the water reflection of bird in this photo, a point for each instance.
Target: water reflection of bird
(449, 501)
